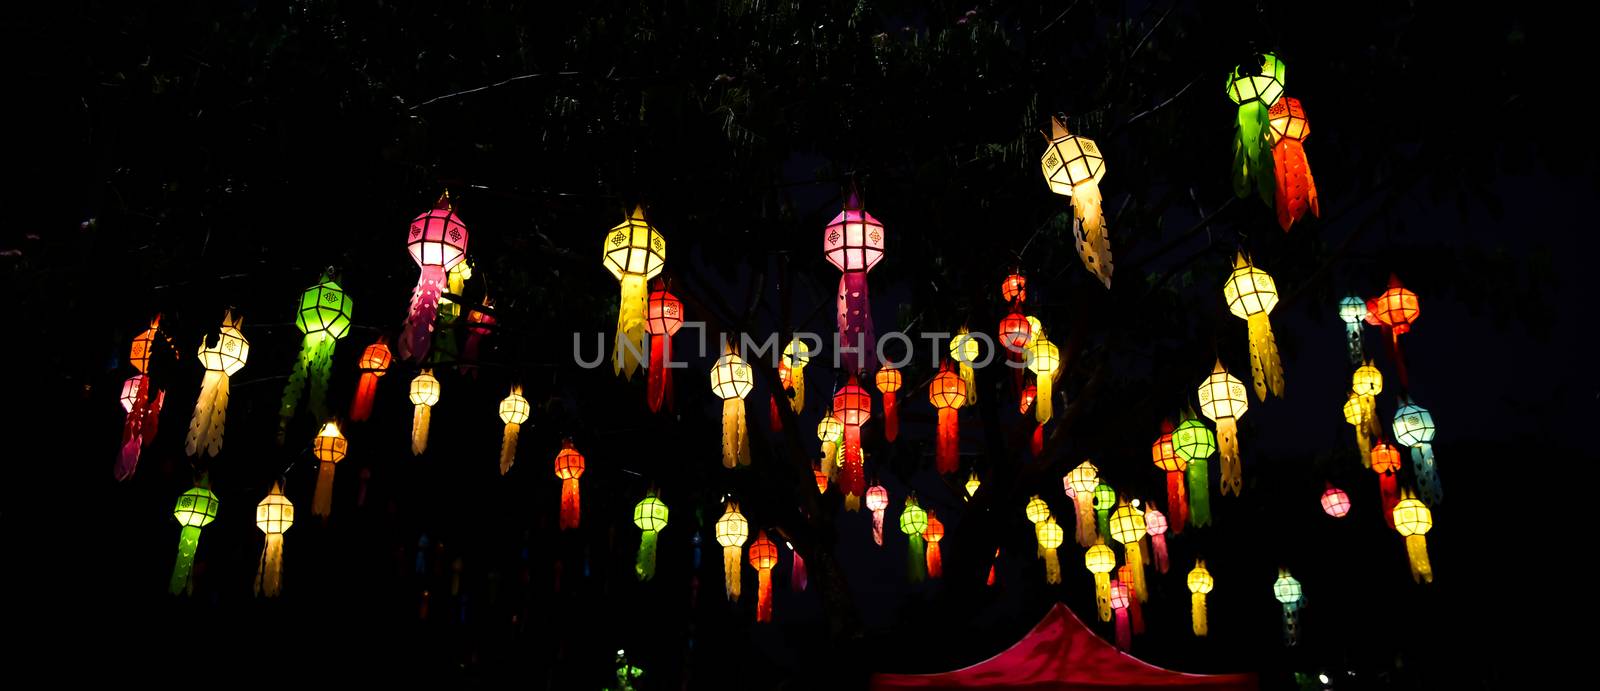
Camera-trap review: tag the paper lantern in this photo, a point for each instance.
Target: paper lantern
(964, 350)
(1128, 528)
(1296, 189)
(324, 317)
(763, 556)
(831, 432)
(1199, 583)
(375, 360)
(1050, 536)
(1036, 510)
(196, 509)
(1357, 412)
(424, 394)
(664, 317)
(973, 483)
(1413, 520)
(1073, 167)
(1224, 400)
(1035, 330)
(1413, 426)
(480, 323)
(914, 522)
(274, 515)
(797, 355)
(146, 344)
(853, 243)
(1353, 311)
(877, 502)
(1105, 501)
(1155, 524)
(1367, 382)
(329, 447)
(1255, 88)
(437, 242)
(1386, 463)
(992, 563)
(732, 530)
(1166, 457)
(731, 381)
(889, 381)
(853, 407)
(1014, 335)
(932, 535)
(569, 467)
(1120, 601)
(1251, 295)
(1395, 310)
(1082, 480)
(1195, 443)
(1101, 561)
(1030, 393)
(513, 411)
(650, 515)
(1014, 288)
(1335, 502)
(1044, 360)
(221, 361)
(1286, 590)
(141, 399)
(948, 392)
(634, 253)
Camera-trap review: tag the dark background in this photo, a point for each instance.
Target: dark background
(222, 154)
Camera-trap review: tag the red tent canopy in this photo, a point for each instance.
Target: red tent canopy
(1062, 653)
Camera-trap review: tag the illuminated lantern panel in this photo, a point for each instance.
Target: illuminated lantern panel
(634, 252)
(513, 412)
(1296, 189)
(1353, 311)
(1050, 536)
(424, 394)
(1414, 427)
(374, 363)
(221, 361)
(437, 242)
(1082, 480)
(1286, 590)
(1223, 399)
(914, 523)
(731, 380)
(853, 406)
(1200, 583)
(877, 503)
(1413, 520)
(329, 447)
(1073, 166)
(664, 318)
(650, 516)
(1255, 88)
(569, 467)
(1251, 294)
(732, 530)
(1014, 288)
(196, 509)
(274, 516)
(854, 242)
(1101, 561)
(889, 381)
(763, 556)
(1335, 502)
(948, 392)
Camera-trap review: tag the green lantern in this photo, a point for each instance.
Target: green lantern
(914, 522)
(324, 317)
(1287, 592)
(650, 514)
(1195, 443)
(196, 509)
(1105, 500)
(1413, 426)
(1254, 91)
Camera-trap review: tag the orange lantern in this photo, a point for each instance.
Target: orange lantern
(1395, 310)
(877, 502)
(948, 392)
(933, 534)
(1386, 463)
(1166, 457)
(888, 380)
(1297, 190)
(569, 467)
(763, 556)
(664, 318)
(375, 362)
(853, 406)
(1015, 288)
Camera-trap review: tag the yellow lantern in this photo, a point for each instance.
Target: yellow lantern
(1082, 480)
(1101, 561)
(1037, 511)
(274, 515)
(1224, 400)
(1128, 528)
(1044, 360)
(221, 361)
(830, 431)
(795, 356)
(1413, 519)
(1251, 295)
(513, 411)
(964, 350)
(973, 483)
(329, 447)
(731, 380)
(634, 253)
(889, 381)
(732, 531)
(1073, 167)
(1050, 537)
(1200, 583)
(424, 394)
(1367, 382)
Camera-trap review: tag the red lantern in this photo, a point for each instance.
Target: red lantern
(141, 400)
(665, 317)
(1297, 191)
(763, 556)
(1386, 463)
(480, 323)
(1335, 502)
(948, 392)
(1015, 288)
(853, 406)
(1167, 459)
(888, 380)
(374, 364)
(853, 242)
(569, 467)
(437, 242)
(933, 534)
(1395, 310)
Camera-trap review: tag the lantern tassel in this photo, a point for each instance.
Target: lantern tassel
(877, 527)
(419, 429)
(570, 510)
(1052, 566)
(139, 428)
(830, 458)
(1364, 442)
(1353, 340)
(731, 564)
(1228, 444)
(269, 573)
(1291, 623)
(891, 417)
(1250, 169)
(1297, 190)
(854, 482)
(210, 412)
(628, 348)
(1369, 407)
(967, 377)
(1199, 474)
(1197, 610)
(772, 414)
(645, 565)
(763, 595)
(916, 559)
(508, 447)
(797, 574)
(1389, 488)
(1102, 595)
(1428, 486)
(1160, 543)
(735, 434)
(658, 384)
(1266, 368)
(1103, 522)
(366, 391)
(1177, 503)
(322, 501)
(1086, 523)
(417, 336)
(948, 458)
(188, 543)
(1036, 443)
(856, 337)
(1135, 566)
(797, 383)
(935, 561)
(1417, 552)
(1124, 634)
(1042, 408)
(1090, 235)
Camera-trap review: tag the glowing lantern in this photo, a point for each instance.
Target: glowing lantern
(830, 431)
(1155, 524)
(889, 381)
(948, 392)
(933, 534)
(821, 478)
(374, 363)
(1413, 426)
(480, 323)
(1166, 457)
(1035, 330)
(1073, 167)
(424, 394)
(437, 242)
(1195, 443)
(141, 400)
(1128, 527)
(1386, 463)
(569, 467)
(1105, 501)
(1251, 295)
(1353, 311)
(1015, 288)
(1255, 88)
(324, 317)
(1286, 590)
(964, 349)
(1357, 413)
(634, 253)
(1413, 520)
(1014, 336)
(1199, 583)
(329, 447)
(1335, 502)
(1030, 393)
(1050, 536)
(853, 407)
(221, 361)
(196, 509)
(1101, 561)
(1036, 510)
(665, 317)
(973, 483)
(731, 380)
(650, 515)
(1223, 399)
(763, 556)
(796, 356)
(732, 530)
(1082, 480)
(853, 243)
(914, 522)
(1044, 360)
(274, 515)
(1120, 601)
(1368, 383)
(513, 411)
(1395, 310)
(1297, 190)
(877, 502)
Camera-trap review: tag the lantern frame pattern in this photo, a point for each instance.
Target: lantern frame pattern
(1413, 519)
(933, 535)
(650, 516)
(732, 530)
(221, 361)
(1223, 399)
(889, 381)
(1195, 443)
(877, 503)
(948, 392)
(1164, 454)
(374, 363)
(437, 242)
(731, 380)
(1082, 480)
(1101, 561)
(1251, 294)
(1296, 188)
(1073, 167)
(1335, 502)
(1044, 360)
(853, 406)
(329, 447)
(1414, 427)
(1353, 312)
(634, 252)
(1050, 536)
(569, 466)
(141, 399)
(1200, 583)
(853, 242)
(274, 516)
(1288, 592)
(664, 316)
(763, 556)
(1156, 526)
(1128, 527)
(196, 509)
(424, 393)
(1255, 92)
(514, 411)
(914, 524)
(323, 316)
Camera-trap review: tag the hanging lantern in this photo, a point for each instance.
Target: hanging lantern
(877, 502)
(932, 535)
(424, 394)
(964, 350)
(324, 318)
(1044, 360)
(1014, 288)
(796, 355)
(731, 380)
(1128, 528)
(1395, 310)
(1155, 524)
(853, 407)
(1335, 502)
(1015, 334)
(1223, 399)
(1255, 91)
(948, 392)
(1356, 412)
(914, 522)
(1386, 463)
(1082, 480)
(1199, 583)
(1120, 601)
(853, 243)
(665, 317)
(1297, 190)
(1101, 561)
(1105, 501)
(889, 380)
(650, 515)
(634, 253)
(831, 432)
(1413, 520)
(140, 399)
(1030, 393)
(1073, 167)
(274, 515)
(513, 411)
(196, 509)
(569, 467)
(437, 242)
(1050, 536)
(973, 483)
(1413, 426)
(763, 556)
(1166, 457)
(1353, 311)
(1367, 382)
(1195, 444)
(480, 323)
(1287, 591)
(1251, 295)
(329, 447)
(1036, 510)
(211, 410)
(374, 364)
(732, 530)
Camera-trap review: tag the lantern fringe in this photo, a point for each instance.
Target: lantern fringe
(1091, 237)
(417, 336)
(322, 501)
(316, 365)
(1364, 443)
(891, 417)
(1353, 341)
(1197, 611)
(854, 482)
(182, 570)
(1199, 474)
(916, 558)
(731, 575)
(877, 527)
(772, 413)
(1249, 143)
(658, 380)
(830, 459)
(269, 573)
(1135, 566)
(570, 510)
(1085, 518)
(971, 382)
(1417, 553)
(1160, 546)
(1036, 444)
(797, 574)
(852, 502)
(856, 336)
(935, 561)
(1052, 566)
(1297, 190)
(1291, 623)
(1103, 522)
(1124, 635)
(1369, 408)
(1228, 445)
(735, 434)
(508, 447)
(628, 348)
(1389, 488)
(210, 414)
(139, 429)
(1266, 368)
(763, 595)
(1428, 487)
(1042, 408)
(797, 382)
(366, 391)
(419, 429)
(948, 458)
(1177, 503)
(645, 565)
(1102, 595)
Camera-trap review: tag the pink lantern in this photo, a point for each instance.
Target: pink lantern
(1119, 604)
(853, 242)
(437, 242)
(1335, 502)
(1155, 523)
(877, 502)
